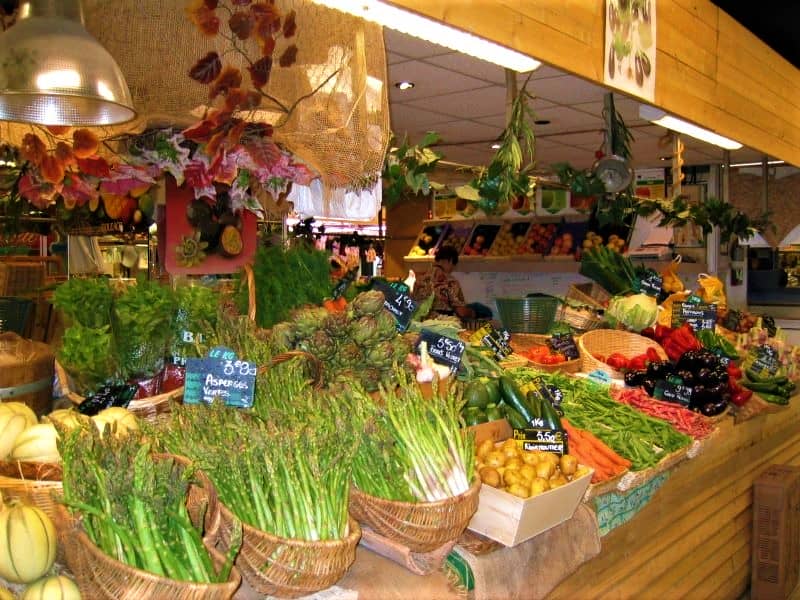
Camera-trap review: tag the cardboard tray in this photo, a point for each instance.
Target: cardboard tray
(511, 520)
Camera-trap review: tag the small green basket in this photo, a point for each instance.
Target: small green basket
(533, 314)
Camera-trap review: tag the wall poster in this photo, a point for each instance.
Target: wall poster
(630, 47)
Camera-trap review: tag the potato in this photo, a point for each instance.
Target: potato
(545, 469)
(495, 459)
(512, 477)
(518, 490)
(530, 458)
(490, 476)
(557, 481)
(528, 472)
(568, 464)
(552, 458)
(539, 486)
(484, 448)
(508, 443)
(510, 452)
(514, 462)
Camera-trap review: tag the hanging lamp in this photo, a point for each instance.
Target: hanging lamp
(53, 72)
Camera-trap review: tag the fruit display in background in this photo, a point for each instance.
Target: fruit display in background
(593, 240)
(540, 237)
(428, 240)
(456, 236)
(510, 238)
(563, 245)
(483, 236)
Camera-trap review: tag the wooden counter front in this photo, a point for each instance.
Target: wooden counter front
(693, 539)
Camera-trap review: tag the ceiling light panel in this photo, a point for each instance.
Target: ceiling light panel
(659, 117)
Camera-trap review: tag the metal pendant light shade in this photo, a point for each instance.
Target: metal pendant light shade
(53, 72)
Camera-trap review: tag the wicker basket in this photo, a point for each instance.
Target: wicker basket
(144, 408)
(583, 306)
(525, 341)
(533, 314)
(420, 526)
(101, 577)
(26, 372)
(289, 568)
(608, 341)
(38, 484)
(589, 294)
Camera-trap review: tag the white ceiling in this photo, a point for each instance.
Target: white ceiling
(463, 100)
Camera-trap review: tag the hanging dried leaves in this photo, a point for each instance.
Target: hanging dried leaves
(84, 143)
(231, 77)
(52, 169)
(96, 166)
(64, 153)
(260, 71)
(290, 25)
(207, 69)
(289, 56)
(267, 46)
(58, 129)
(33, 149)
(203, 16)
(241, 24)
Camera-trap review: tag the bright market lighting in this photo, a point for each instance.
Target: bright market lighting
(659, 117)
(432, 31)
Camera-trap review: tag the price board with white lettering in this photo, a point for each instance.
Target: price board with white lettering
(651, 283)
(546, 440)
(673, 391)
(565, 344)
(220, 375)
(442, 349)
(399, 304)
(699, 316)
(497, 341)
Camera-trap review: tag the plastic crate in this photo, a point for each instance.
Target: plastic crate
(14, 315)
(533, 314)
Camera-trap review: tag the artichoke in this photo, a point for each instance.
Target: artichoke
(336, 324)
(308, 320)
(350, 355)
(320, 344)
(370, 379)
(367, 303)
(364, 330)
(386, 326)
(282, 337)
(381, 355)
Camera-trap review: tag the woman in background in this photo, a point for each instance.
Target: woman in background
(448, 297)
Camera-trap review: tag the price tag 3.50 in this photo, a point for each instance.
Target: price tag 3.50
(221, 375)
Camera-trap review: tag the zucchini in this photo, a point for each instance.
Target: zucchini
(514, 418)
(550, 416)
(513, 397)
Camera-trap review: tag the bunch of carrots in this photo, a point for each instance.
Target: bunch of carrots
(594, 453)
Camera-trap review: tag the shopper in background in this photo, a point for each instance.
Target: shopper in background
(448, 297)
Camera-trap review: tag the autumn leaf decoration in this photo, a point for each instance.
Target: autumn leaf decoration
(238, 21)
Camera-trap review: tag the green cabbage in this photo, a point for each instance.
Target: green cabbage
(635, 312)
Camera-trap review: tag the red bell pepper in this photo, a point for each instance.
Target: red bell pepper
(638, 363)
(617, 361)
(652, 355)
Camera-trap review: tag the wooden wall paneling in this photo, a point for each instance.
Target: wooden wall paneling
(688, 39)
(702, 10)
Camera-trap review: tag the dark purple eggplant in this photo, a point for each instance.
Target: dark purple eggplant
(687, 377)
(635, 378)
(660, 369)
(712, 409)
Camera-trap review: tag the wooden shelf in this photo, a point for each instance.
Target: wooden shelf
(504, 264)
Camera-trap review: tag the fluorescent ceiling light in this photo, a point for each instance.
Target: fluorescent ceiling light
(433, 31)
(659, 117)
(757, 164)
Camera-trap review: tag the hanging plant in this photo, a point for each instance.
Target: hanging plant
(406, 169)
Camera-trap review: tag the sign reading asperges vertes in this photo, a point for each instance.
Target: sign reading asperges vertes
(220, 375)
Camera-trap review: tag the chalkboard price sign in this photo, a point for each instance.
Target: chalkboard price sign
(399, 304)
(546, 440)
(672, 391)
(220, 375)
(444, 350)
(565, 344)
(765, 358)
(699, 316)
(496, 341)
(651, 283)
(732, 320)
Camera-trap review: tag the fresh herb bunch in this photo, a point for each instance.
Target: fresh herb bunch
(285, 279)
(89, 356)
(143, 318)
(85, 301)
(406, 168)
(197, 307)
(414, 448)
(134, 506)
(292, 482)
(508, 174)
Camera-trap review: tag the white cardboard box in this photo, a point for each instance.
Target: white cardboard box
(510, 520)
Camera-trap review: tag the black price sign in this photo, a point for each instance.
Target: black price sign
(220, 375)
(765, 358)
(546, 440)
(444, 350)
(496, 341)
(341, 287)
(401, 305)
(699, 316)
(565, 344)
(651, 283)
(673, 390)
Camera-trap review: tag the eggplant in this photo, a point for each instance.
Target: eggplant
(687, 377)
(635, 378)
(690, 361)
(705, 376)
(712, 409)
(660, 369)
(721, 375)
(649, 385)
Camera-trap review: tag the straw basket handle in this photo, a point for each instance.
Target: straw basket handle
(283, 357)
(251, 291)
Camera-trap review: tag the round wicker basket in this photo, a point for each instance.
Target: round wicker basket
(608, 341)
(144, 408)
(420, 526)
(289, 568)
